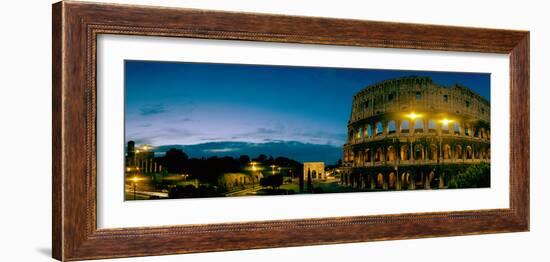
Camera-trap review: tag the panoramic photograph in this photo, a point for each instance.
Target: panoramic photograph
(198, 130)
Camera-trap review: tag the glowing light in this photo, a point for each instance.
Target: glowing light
(413, 115)
(446, 121)
(135, 179)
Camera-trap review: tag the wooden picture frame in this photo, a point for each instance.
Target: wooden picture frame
(76, 26)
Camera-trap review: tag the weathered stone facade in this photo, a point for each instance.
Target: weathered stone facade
(315, 169)
(410, 132)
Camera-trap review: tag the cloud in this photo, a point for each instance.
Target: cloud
(262, 130)
(145, 125)
(221, 150)
(152, 110)
(292, 149)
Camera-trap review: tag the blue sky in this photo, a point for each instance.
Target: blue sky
(170, 103)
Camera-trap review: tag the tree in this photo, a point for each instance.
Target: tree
(309, 183)
(475, 176)
(174, 160)
(301, 182)
(274, 181)
(261, 158)
(244, 159)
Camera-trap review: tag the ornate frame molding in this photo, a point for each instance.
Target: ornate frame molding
(76, 26)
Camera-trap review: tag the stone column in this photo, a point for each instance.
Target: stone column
(427, 181)
(426, 128)
(398, 127)
(412, 182)
(397, 180)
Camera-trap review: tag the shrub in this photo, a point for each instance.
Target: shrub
(478, 175)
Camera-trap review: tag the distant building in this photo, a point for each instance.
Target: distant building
(315, 169)
(141, 160)
(231, 181)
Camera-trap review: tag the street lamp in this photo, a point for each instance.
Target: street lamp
(135, 180)
(446, 121)
(413, 115)
(254, 169)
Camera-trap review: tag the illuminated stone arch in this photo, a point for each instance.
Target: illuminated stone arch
(316, 169)
(456, 128)
(432, 127)
(391, 155)
(469, 152)
(379, 128)
(380, 180)
(458, 152)
(433, 152)
(392, 127)
(467, 130)
(368, 131)
(405, 126)
(404, 152)
(378, 155)
(445, 128)
(446, 151)
(392, 180)
(418, 125)
(368, 155)
(405, 176)
(418, 152)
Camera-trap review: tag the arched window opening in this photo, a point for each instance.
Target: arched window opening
(433, 152)
(445, 127)
(458, 152)
(391, 127)
(467, 130)
(367, 156)
(380, 180)
(369, 131)
(446, 151)
(405, 126)
(431, 126)
(456, 128)
(391, 154)
(392, 178)
(379, 128)
(418, 126)
(418, 152)
(469, 152)
(378, 155)
(358, 134)
(404, 152)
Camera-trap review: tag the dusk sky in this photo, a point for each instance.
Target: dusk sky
(170, 103)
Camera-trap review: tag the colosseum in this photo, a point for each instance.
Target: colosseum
(411, 133)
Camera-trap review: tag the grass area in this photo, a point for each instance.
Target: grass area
(325, 187)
